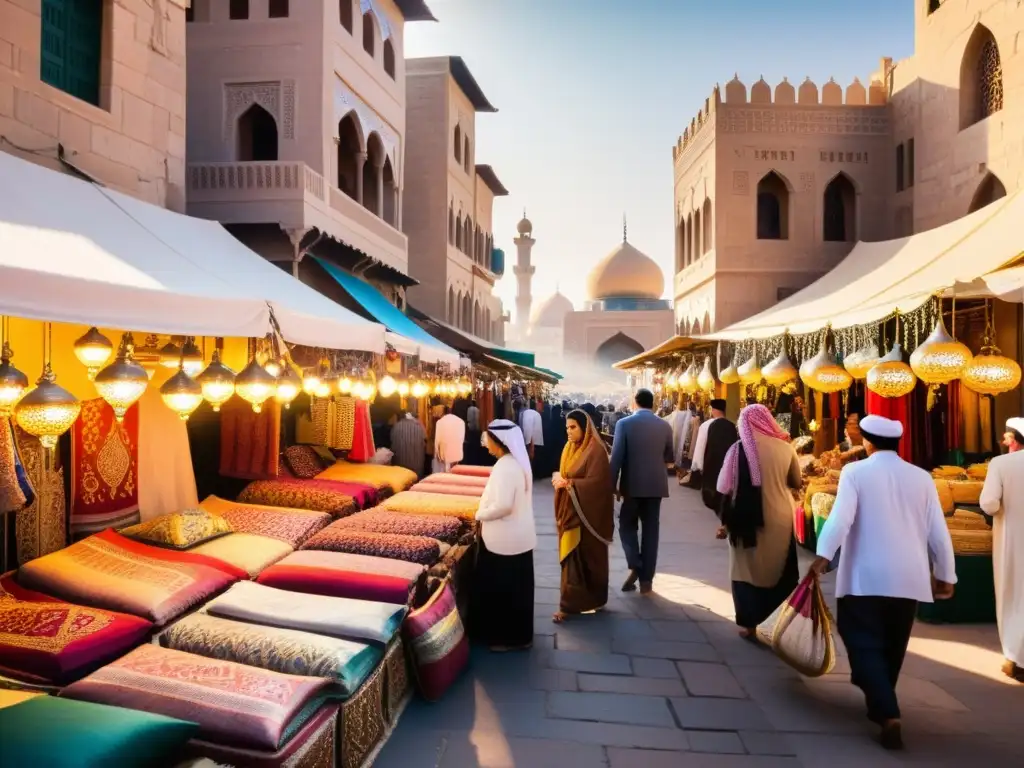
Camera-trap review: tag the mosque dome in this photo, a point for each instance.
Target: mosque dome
(625, 273)
(525, 226)
(551, 312)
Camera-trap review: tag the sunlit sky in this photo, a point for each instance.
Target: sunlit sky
(592, 94)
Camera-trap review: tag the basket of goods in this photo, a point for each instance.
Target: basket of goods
(966, 491)
(821, 506)
(971, 542)
(965, 520)
(977, 472)
(945, 496)
(856, 453)
(947, 472)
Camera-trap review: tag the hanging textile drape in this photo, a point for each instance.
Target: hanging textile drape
(898, 409)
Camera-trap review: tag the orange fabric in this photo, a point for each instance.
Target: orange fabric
(249, 441)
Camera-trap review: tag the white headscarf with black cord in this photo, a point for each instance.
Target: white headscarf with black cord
(511, 436)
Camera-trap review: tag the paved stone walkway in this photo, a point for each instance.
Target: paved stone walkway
(665, 682)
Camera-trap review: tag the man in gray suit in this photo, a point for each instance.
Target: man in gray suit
(641, 451)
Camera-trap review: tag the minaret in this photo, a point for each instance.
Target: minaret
(523, 271)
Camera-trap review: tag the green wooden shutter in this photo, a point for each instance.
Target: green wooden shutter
(72, 35)
(52, 44)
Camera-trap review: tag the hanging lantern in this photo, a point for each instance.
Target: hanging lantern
(217, 382)
(48, 410)
(420, 390)
(940, 359)
(255, 385)
(122, 382)
(688, 381)
(706, 379)
(93, 350)
(13, 382)
(323, 389)
(990, 373)
(273, 367)
(170, 355)
(860, 362)
(310, 383)
(750, 371)
(891, 377)
(403, 388)
(730, 375)
(192, 357)
(182, 394)
(288, 386)
(388, 386)
(780, 370)
(824, 374)
(345, 385)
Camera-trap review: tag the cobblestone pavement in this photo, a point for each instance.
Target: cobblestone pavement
(665, 681)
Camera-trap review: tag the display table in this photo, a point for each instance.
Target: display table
(974, 598)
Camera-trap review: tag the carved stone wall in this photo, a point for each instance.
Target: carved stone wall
(277, 97)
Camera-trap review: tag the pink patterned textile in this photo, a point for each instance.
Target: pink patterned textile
(292, 526)
(754, 419)
(232, 703)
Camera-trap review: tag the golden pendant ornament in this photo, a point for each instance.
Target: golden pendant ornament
(860, 362)
(890, 376)
(990, 373)
(940, 359)
(780, 370)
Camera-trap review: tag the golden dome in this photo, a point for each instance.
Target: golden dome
(551, 312)
(625, 273)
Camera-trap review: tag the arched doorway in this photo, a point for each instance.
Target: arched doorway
(389, 58)
(369, 33)
(990, 190)
(618, 347)
(981, 78)
(772, 208)
(839, 220)
(350, 147)
(373, 189)
(257, 135)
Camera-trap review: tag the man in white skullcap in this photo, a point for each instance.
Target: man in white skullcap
(888, 519)
(1003, 498)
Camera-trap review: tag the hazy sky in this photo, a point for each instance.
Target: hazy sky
(592, 94)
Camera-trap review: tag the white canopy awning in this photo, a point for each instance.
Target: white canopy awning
(74, 252)
(877, 278)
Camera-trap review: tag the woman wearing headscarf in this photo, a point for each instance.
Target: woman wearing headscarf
(584, 515)
(757, 481)
(501, 609)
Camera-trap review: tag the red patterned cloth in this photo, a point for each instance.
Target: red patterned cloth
(340, 574)
(414, 549)
(233, 703)
(45, 640)
(446, 529)
(437, 639)
(898, 409)
(292, 526)
(249, 441)
(104, 469)
(317, 495)
(362, 434)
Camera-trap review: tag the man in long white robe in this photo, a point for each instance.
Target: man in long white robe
(679, 420)
(1003, 498)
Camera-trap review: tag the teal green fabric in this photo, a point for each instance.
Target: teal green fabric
(63, 733)
(514, 356)
(974, 598)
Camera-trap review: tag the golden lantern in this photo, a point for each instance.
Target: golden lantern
(255, 385)
(217, 382)
(192, 357)
(780, 370)
(823, 374)
(940, 359)
(706, 379)
(990, 373)
(288, 386)
(13, 382)
(310, 383)
(170, 355)
(729, 375)
(860, 362)
(48, 410)
(323, 389)
(387, 386)
(182, 394)
(890, 376)
(122, 382)
(750, 371)
(403, 388)
(93, 350)
(420, 390)
(273, 367)
(688, 381)
(345, 385)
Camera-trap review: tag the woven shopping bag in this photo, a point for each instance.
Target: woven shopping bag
(800, 630)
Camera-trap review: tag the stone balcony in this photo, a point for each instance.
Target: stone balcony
(294, 196)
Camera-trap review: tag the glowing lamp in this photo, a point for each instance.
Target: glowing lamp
(288, 386)
(990, 373)
(780, 370)
(940, 359)
(13, 382)
(823, 374)
(122, 383)
(345, 385)
(48, 410)
(273, 367)
(323, 389)
(388, 386)
(170, 355)
(706, 379)
(182, 394)
(420, 390)
(890, 376)
(93, 350)
(750, 371)
(860, 362)
(688, 381)
(310, 383)
(255, 385)
(730, 374)
(403, 389)
(217, 382)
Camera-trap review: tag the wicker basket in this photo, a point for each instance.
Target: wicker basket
(971, 542)
(963, 520)
(942, 487)
(966, 491)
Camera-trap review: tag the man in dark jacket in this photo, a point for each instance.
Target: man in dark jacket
(721, 434)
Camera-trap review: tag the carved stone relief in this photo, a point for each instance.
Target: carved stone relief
(807, 181)
(382, 19)
(740, 183)
(819, 121)
(238, 97)
(345, 101)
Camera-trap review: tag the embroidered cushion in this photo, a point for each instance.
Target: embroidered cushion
(339, 574)
(179, 530)
(62, 733)
(440, 527)
(437, 639)
(303, 461)
(293, 526)
(43, 639)
(415, 549)
(394, 479)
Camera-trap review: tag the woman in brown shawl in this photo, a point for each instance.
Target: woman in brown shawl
(584, 516)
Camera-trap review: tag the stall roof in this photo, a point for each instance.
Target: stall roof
(675, 344)
(378, 307)
(75, 252)
(877, 278)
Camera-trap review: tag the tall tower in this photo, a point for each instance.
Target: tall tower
(523, 271)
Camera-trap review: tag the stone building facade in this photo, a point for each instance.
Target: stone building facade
(450, 199)
(97, 87)
(774, 186)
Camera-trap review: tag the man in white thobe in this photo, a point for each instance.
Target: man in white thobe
(449, 441)
(1003, 498)
(888, 519)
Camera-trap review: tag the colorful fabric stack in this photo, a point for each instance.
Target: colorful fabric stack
(104, 468)
(233, 704)
(416, 503)
(303, 461)
(437, 639)
(413, 549)
(319, 495)
(471, 471)
(249, 441)
(346, 663)
(452, 478)
(379, 476)
(248, 551)
(46, 641)
(360, 620)
(446, 529)
(112, 572)
(449, 490)
(292, 526)
(339, 574)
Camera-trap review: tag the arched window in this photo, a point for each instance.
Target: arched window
(772, 208)
(257, 135)
(981, 78)
(467, 237)
(618, 347)
(706, 328)
(349, 147)
(689, 240)
(990, 190)
(465, 155)
(458, 231)
(390, 214)
(708, 228)
(369, 34)
(451, 225)
(698, 231)
(680, 253)
(477, 319)
(839, 219)
(467, 313)
(451, 306)
(345, 14)
(695, 328)
(488, 330)
(458, 143)
(389, 58)
(372, 191)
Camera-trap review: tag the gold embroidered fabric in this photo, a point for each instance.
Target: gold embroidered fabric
(362, 721)
(41, 527)
(11, 495)
(179, 530)
(334, 420)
